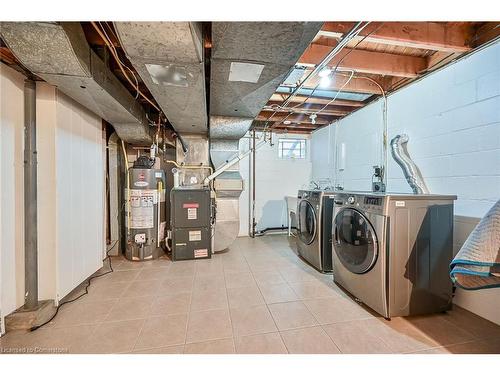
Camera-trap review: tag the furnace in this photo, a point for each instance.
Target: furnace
(191, 223)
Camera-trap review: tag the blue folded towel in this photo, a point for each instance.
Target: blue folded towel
(477, 264)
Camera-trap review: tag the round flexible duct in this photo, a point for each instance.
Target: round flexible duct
(410, 170)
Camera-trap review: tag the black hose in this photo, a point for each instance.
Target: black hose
(263, 231)
(34, 328)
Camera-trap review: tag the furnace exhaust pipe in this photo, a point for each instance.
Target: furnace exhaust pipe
(410, 170)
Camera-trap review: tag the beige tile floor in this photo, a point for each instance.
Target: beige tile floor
(258, 297)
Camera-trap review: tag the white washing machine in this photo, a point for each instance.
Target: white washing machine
(392, 251)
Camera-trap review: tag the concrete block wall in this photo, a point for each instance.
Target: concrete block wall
(360, 135)
(275, 179)
(452, 117)
(453, 120)
(323, 154)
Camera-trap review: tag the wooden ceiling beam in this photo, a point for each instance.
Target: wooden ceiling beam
(486, 32)
(329, 115)
(93, 37)
(366, 61)
(312, 107)
(300, 128)
(356, 84)
(7, 56)
(437, 36)
(294, 118)
(292, 131)
(309, 109)
(278, 98)
(438, 59)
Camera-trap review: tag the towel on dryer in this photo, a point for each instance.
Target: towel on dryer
(477, 264)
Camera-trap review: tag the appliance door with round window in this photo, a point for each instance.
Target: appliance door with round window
(355, 241)
(307, 222)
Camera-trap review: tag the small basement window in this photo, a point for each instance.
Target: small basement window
(291, 148)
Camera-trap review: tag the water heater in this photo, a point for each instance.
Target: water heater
(145, 218)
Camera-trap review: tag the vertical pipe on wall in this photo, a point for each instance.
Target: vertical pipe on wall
(249, 189)
(384, 139)
(30, 197)
(253, 184)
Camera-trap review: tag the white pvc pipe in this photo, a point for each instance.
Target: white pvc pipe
(230, 163)
(175, 171)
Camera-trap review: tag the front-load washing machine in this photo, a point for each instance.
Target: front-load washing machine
(314, 234)
(393, 251)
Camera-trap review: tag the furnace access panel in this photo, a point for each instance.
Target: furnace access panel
(190, 223)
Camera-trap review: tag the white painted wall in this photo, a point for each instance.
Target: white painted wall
(323, 156)
(47, 202)
(71, 182)
(71, 162)
(80, 164)
(275, 179)
(11, 190)
(452, 118)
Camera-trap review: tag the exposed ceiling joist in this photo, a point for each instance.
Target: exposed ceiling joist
(297, 128)
(438, 36)
(294, 118)
(367, 61)
(308, 107)
(439, 59)
(356, 84)
(278, 99)
(485, 33)
(312, 108)
(292, 131)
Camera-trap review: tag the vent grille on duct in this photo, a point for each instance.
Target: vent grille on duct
(169, 58)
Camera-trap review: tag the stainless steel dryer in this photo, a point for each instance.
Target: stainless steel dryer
(314, 220)
(392, 251)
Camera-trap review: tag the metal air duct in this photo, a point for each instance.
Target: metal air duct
(410, 170)
(60, 54)
(249, 61)
(169, 58)
(225, 134)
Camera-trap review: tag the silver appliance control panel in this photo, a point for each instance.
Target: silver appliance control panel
(361, 202)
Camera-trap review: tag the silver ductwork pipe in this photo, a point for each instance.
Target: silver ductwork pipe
(192, 166)
(231, 163)
(225, 134)
(169, 58)
(59, 53)
(245, 73)
(411, 172)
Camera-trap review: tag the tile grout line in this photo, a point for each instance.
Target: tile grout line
(142, 326)
(274, 321)
(269, 311)
(146, 318)
(310, 312)
(189, 310)
(444, 346)
(319, 324)
(229, 310)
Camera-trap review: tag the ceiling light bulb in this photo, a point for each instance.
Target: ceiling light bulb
(287, 122)
(325, 82)
(313, 118)
(325, 72)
